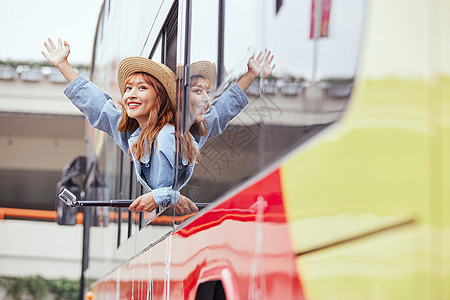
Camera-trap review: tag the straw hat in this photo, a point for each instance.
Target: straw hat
(137, 64)
(202, 68)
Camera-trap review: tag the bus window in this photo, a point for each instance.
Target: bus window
(170, 53)
(195, 93)
(204, 31)
(156, 54)
(308, 90)
(203, 57)
(337, 55)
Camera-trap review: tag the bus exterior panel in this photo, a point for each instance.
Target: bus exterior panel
(355, 207)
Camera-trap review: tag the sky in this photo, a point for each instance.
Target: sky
(26, 24)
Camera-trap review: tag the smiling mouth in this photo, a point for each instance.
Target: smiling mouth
(202, 108)
(133, 105)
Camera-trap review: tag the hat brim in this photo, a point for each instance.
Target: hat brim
(201, 68)
(161, 72)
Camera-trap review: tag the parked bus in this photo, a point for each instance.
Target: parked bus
(331, 184)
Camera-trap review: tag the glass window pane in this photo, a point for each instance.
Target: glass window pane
(204, 30)
(198, 95)
(308, 90)
(157, 52)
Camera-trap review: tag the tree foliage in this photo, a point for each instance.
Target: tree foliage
(38, 288)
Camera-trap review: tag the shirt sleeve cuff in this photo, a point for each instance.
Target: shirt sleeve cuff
(166, 196)
(74, 86)
(236, 90)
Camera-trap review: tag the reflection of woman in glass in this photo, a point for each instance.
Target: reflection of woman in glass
(143, 127)
(209, 120)
(203, 77)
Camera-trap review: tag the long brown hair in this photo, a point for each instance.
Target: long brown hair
(161, 113)
(196, 129)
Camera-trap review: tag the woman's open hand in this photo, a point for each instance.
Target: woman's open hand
(56, 54)
(267, 65)
(261, 65)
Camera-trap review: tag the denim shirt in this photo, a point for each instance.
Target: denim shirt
(158, 167)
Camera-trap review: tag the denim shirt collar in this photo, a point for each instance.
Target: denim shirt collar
(146, 159)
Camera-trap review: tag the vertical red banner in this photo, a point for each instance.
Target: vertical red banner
(322, 12)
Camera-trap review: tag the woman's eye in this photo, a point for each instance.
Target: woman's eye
(127, 88)
(142, 87)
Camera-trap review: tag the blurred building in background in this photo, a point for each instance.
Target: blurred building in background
(40, 133)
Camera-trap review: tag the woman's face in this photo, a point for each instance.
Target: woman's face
(199, 99)
(139, 97)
